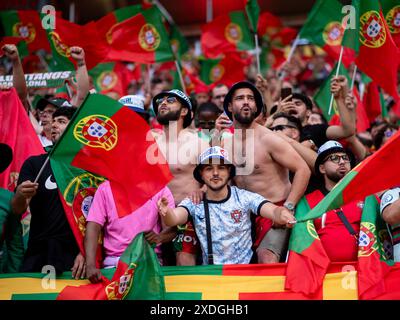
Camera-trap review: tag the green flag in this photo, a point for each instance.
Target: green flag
(253, 11)
(178, 42)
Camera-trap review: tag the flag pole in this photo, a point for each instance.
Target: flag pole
(353, 78)
(209, 13)
(41, 169)
(149, 75)
(337, 73)
(257, 52)
(180, 76)
(291, 52)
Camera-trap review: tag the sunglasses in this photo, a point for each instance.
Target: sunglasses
(280, 127)
(336, 158)
(169, 100)
(210, 123)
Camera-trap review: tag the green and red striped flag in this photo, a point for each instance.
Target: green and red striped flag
(179, 43)
(68, 34)
(113, 77)
(308, 261)
(376, 173)
(108, 139)
(324, 29)
(25, 24)
(253, 12)
(373, 261)
(227, 70)
(323, 97)
(391, 12)
(106, 24)
(76, 189)
(226, 33)
(371, 41)
(142, 38)
(137, 277)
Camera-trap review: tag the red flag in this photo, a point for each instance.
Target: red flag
(9, 40)
(268, 25)
(18, 133)
(372, 101)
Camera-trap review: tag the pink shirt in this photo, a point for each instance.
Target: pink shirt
(119, 232)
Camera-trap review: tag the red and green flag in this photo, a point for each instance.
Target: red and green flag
(227, 70)
(372, 42)
(106, 24)
(253, 12)
(373, 102)
(191, 81)
(113, 77)
(373, 262)
(323, 97)
(226, 33)
(28, 25)
(391, 12)
(108, 139)
(324, 29)
(178, 42)
(137, 277)
(142, 38)
(67, 35)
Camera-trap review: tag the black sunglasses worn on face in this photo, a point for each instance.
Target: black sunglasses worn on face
(168, 99)
(336, 158)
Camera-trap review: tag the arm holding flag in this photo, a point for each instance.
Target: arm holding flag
(339, 89)
(11, 52)
(23, 195)
(93, 230)
(82, 76)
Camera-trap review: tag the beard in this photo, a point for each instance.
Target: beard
(245, 119)
(335, 176)
(165, 118)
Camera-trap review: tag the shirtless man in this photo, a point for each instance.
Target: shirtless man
(181, 148)
(266, 166)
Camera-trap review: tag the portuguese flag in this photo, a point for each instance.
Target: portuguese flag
(376, 173)
(68, 34)
(76, 189)
(373, 262)
(324, 28)
(142, 38)
(308, 261)
(25, 24)
(137, 269)
(391, 12)
(113, 77)
(108, 139)
(372, 42)
(178, 42)
(227, 70)
(323, 97)
(18, 42)
(226, 33)
(253, 11)
(106, 24)
(372, 101)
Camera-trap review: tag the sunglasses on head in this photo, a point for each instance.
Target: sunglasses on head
(169, 100)
(335, 158)
(280, 127)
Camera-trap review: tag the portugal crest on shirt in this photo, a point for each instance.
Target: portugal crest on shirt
(393, 20)
(372, 30)
(367, 243)
(333, 33)
(233, 33)
(149, 38)
(236, 215)
(118, 289)
(26, 31)
(97, 131)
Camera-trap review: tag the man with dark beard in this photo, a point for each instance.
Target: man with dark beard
(181, 148)
(263, 162)
(337, 229)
